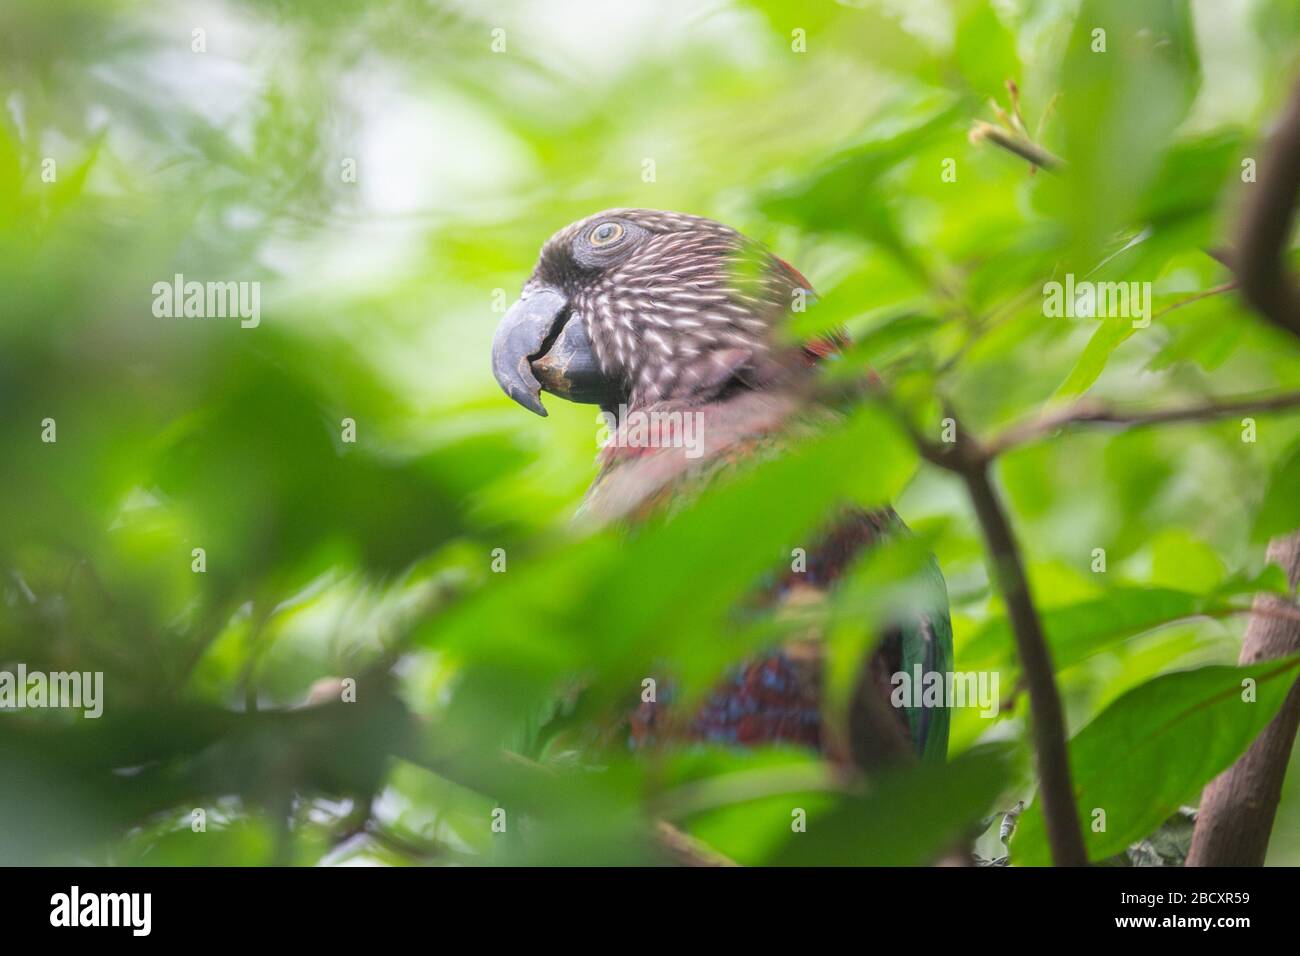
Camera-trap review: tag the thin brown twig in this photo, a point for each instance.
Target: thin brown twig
(685, 850)
(1019, 145)
(1094, 412)
(1217, 290)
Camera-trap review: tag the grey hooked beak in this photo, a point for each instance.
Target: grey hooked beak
(536, 347)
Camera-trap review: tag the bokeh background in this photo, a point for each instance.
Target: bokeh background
(387, 171)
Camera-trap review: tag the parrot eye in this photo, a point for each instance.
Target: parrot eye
(606, 233)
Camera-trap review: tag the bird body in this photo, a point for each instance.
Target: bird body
(672, 325)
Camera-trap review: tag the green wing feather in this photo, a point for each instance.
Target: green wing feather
(927, 641)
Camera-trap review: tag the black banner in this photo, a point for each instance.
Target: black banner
(335, 905)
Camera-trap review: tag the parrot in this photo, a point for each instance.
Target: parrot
(649, 313)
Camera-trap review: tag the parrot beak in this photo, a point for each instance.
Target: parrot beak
(536, 347)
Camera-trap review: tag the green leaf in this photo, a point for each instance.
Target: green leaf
(1182, 561)
(612, 607)
(846, 194)
(865, 32)
(1077, 631)
(1280, 512)
(985, 49)
(1110, 335)
(908, 818)
(1125, 90)
(1155, 747)
(1192, 177)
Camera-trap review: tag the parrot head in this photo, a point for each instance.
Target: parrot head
(640, 306)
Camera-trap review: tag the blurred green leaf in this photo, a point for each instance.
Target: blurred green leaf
(906, 819)
(1279, 513)
(848, 194)
(1077, 631)
(985, 49)
(1128, 77)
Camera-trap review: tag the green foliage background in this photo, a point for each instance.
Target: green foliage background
(372, 560)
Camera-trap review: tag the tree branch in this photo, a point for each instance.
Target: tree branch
(1049, 734)
(1092, 412)
(1264, 231)
(969, 461)
(1231, 827)
(1238, 807)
